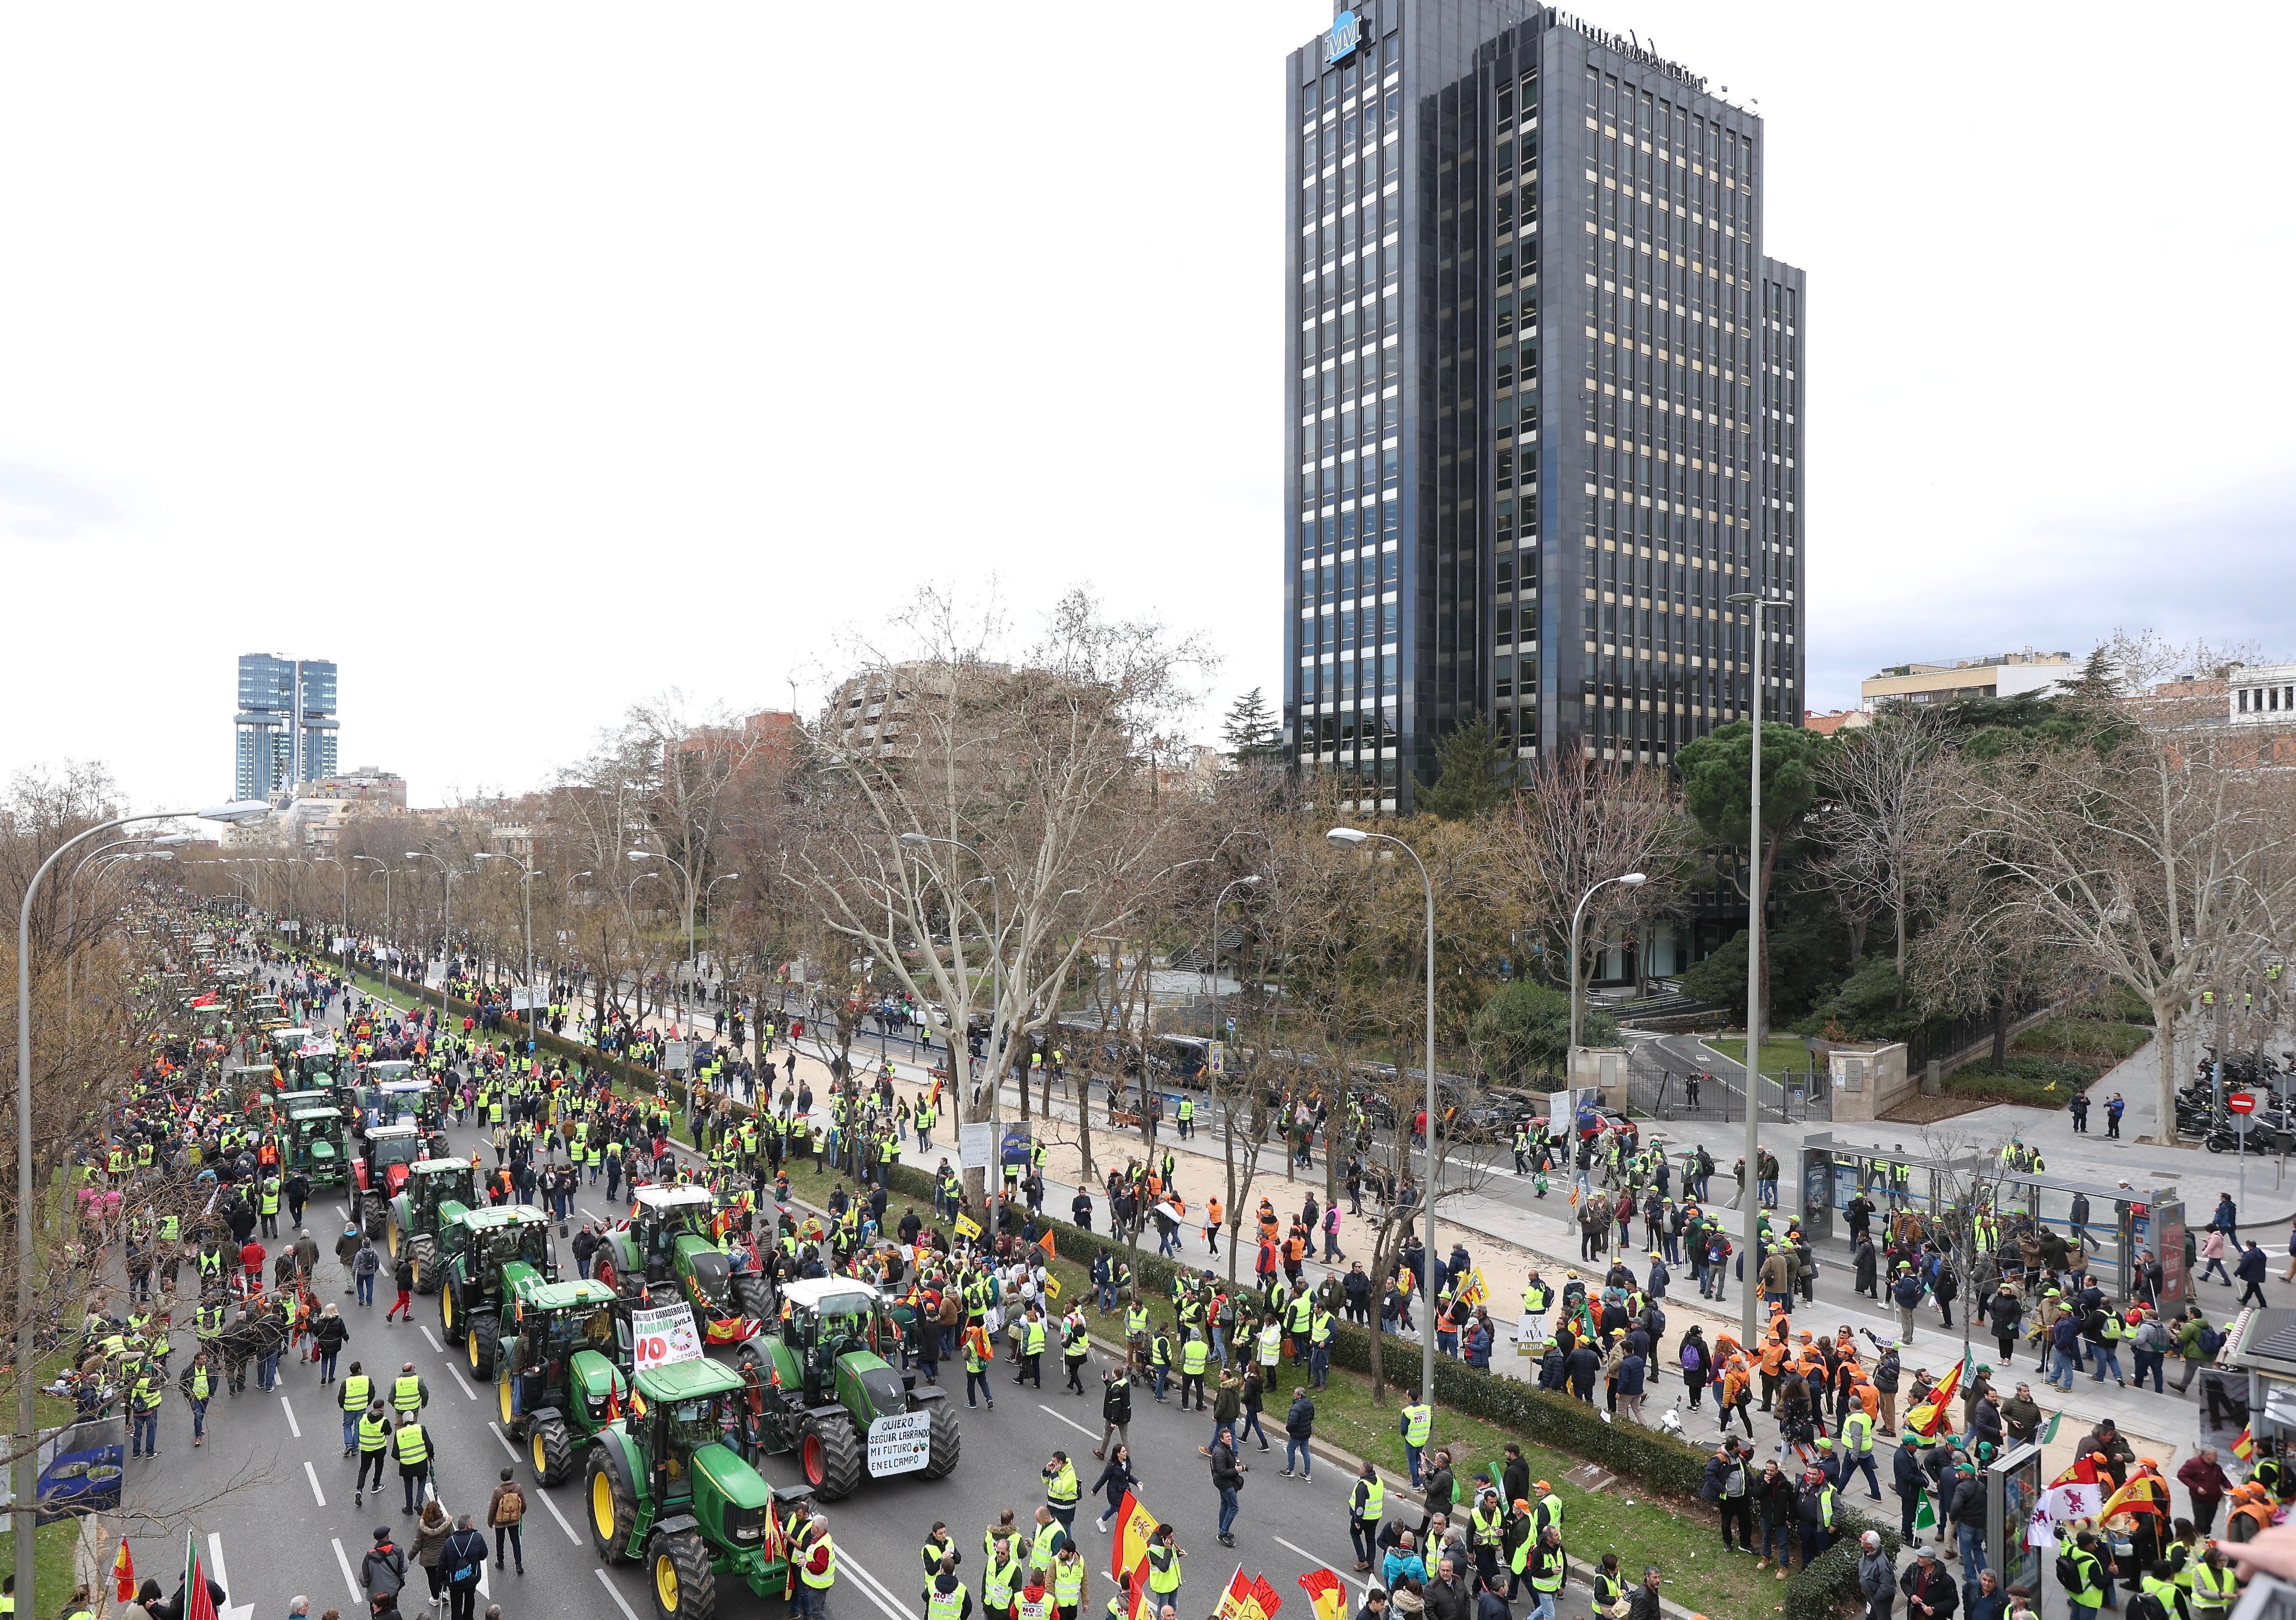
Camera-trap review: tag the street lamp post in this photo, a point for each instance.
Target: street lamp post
(382, 867)
(342, 866)
(1632, 880)
(1352, 837)
(446, 928)
(682, 872)
(1219, 900)
(1749, 1287)
(525, 884)
(27, 1437)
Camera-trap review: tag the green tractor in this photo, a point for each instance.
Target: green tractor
(821, 1387)
(433, 1193)
(664, 1487)
(313, 1143)
(561, 1370)
(671, 1238)
(487, 1253)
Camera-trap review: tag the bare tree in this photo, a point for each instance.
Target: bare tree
(1577, 823)
(2150, 850)
(1881, 819)
(1004, 808)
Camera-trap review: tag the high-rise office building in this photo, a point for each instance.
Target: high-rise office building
(1544, 399)
(285, 728)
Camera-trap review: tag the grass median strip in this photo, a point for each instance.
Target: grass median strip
(1682, 1538)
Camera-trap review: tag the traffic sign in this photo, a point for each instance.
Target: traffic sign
(2243, 1123)
(2241, 1102)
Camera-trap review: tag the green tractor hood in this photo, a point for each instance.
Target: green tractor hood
(866, 1383)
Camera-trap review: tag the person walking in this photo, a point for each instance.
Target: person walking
(1115, 1408)
(430, 1533)
(412, 1448)
(373, 1433)
(198, 1383)
(403, 1276)
(1228, 1478)
(1298, 1428)
(1116, 1478)
(327, 1341)
(2250, 1272)
(505, 1512)
(1366, 1505)
(463, 1558)
(383, 1570)
(1877, 1582)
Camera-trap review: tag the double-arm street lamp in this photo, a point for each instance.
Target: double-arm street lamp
(446, 926)
(525, 884)
(1252, 880)
(1355, 837)
(27, 1437)
(342, 866)
(1750, 1288)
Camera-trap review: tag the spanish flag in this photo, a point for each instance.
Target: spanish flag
(2243, 1445)
(123, 1574)
(1237, 1601)
(1326, 1595)
(1134, 1526)
(1936, 1413)
(2143, 1493)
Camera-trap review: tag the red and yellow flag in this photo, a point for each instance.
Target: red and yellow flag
(1134, 1526)
(1936, 1413)
(2243, 1444)
(1144, 1604)
(123, 1574)
(1326, 1595)
(2143, 1493)
(1237, 1601)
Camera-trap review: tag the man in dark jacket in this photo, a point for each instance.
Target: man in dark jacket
(1910, 1483)
(1440, 1487)
(1774, 1498)
(1115, 1408)
(1583, 1364)
(1447, 1596)
(462, 1560)
(1877, 1583)
(1929, 1590)
(2006, 1313)
(1729, 1485)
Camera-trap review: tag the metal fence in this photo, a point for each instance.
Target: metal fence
(1661, 1090)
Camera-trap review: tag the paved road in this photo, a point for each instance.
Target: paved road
(270, 1495)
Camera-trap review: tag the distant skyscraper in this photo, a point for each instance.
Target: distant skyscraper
(1544, 402)
(285, 726)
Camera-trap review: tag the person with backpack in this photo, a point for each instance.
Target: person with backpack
(2148, 1347)
(2198, 1340)
(383, 1570)
(506, 1511)
(1697, 1363)
(463, 1559)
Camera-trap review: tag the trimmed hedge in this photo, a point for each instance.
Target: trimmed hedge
(1826, 1585)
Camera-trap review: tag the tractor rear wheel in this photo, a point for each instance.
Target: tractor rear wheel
(684, 1586)
(829, 1452)
(947, 1440)
(485, 1333)
(426, 1250)
(375, 1220)
(550, 1449)
(613, 1503)
(751, 1297)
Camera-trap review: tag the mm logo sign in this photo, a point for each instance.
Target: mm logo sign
(1346, 33)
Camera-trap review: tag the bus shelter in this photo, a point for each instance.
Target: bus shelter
(2108, 1222)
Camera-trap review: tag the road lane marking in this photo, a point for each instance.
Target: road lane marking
(1312, 1558)
(435, 1344)
(606, 1580)
(293, 1427)
(874, 1591)
(496, 1429)
(467, 1391)
(561, 1517)
(215, 1561)
(1071, 1422)
(312, 1473)
(343, 1560)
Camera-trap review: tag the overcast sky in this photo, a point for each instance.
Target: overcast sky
(530, 360)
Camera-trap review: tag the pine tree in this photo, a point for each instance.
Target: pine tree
(1474, 772)
(1251, 731)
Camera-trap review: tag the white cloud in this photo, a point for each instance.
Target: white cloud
(528, 360)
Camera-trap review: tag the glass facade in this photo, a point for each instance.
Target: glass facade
(1545, 391)
(285, 729)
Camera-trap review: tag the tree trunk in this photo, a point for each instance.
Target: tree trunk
(2164, 1037)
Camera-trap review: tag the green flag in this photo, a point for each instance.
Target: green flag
(1926, 1518)
(2049, 1433)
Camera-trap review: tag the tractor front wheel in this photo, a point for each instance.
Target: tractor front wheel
(447, 1329)
(947, 1440)
(485, 1333)
(550, 1449)
(752, 1298)
(829, 1452)
(684, 1586)
(613, 1503)
(425, 1251)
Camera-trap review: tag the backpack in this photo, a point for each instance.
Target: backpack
(2211, 1341)
(2068, 1576)
(512, 1508)
(1692, 1361)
